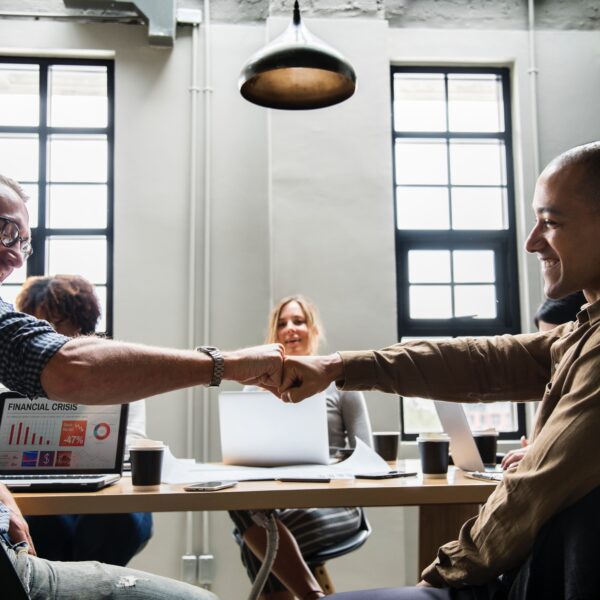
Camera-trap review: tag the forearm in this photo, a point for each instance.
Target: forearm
(90, 370)
(465, 370)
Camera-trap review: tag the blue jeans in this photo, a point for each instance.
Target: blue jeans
(112, 538)
(47, 580)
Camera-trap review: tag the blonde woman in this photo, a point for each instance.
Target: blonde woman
(294, 322)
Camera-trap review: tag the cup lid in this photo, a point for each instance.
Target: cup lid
(482, 432)
(433, 436)
(145, 444)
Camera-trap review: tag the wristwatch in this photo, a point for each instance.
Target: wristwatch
(218, 364)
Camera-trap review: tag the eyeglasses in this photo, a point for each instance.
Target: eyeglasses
(9, 236)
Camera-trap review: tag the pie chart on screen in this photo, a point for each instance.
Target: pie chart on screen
(101, 431)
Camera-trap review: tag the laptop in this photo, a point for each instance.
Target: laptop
(465, 454)
(258, 429)
(50, 446)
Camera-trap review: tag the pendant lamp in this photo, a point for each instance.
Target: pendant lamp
(297, 71)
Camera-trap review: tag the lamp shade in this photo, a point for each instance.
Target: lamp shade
(297, 71)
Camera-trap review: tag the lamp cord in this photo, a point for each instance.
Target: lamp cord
(269, 522)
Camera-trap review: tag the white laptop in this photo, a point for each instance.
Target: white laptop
(50, 446)
(258, 429)
(462, 444)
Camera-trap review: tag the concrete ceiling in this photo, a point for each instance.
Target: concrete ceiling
(480, 14)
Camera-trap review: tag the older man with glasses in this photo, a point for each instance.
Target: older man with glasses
(37, 361)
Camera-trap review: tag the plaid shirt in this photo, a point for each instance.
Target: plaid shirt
(26, 345)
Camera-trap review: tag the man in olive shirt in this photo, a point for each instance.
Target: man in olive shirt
(560, 367)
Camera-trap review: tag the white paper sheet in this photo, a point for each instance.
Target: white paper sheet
(186, 470)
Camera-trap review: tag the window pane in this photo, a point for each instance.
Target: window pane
(420, 416)
(78, 255)
(101, 293)
(478, 301)
(430, 302)
(8, 293)
(501, 415)
(421, 162)
(479, 208)
(78, 96)
(19, 95)
(17, 276)
(475, 103)
(419, 102)
(477, 162)
(32, 203)
(78, 158)
(429, 266)
(19, 157)
(422, 208)
(474, 266)
(77, 206)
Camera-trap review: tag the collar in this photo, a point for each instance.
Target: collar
(589, 313)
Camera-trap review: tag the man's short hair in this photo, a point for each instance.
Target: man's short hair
(586, 160)
(13, 185)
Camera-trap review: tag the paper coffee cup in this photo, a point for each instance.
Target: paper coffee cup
(434, 452)
(146, 463)
(386, 443)
(487, 444)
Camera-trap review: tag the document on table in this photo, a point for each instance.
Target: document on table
(186, 470)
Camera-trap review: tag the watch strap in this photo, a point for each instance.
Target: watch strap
(218, 364)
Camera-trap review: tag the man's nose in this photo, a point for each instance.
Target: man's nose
(534, 240)
(14, 257)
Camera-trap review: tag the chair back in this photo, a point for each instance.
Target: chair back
(350, 544)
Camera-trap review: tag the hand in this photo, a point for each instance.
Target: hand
(18, 530)
(305, 376)
(423, 583)
(259, 365)
(514, 457)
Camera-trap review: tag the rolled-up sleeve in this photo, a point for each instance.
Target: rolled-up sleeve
(26, 345)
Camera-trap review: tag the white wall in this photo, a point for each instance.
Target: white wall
(326, 177)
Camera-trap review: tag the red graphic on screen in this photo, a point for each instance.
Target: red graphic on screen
(72, 433)
(19, 435)
(63, 458)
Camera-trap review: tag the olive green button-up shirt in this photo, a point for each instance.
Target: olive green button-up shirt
(561, 368)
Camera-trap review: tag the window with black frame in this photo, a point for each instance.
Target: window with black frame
(56, 140)
(456, 262)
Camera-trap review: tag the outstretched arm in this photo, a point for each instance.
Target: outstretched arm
(95, 371)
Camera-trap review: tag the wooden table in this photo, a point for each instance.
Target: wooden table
(444, 503)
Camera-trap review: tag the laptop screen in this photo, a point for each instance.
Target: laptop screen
(45, 436)
(258, 429)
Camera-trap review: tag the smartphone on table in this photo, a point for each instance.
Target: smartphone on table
(387, 475)
(209, 486)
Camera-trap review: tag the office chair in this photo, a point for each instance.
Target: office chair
(317, 561)
(12, 587)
